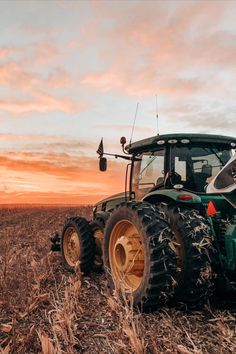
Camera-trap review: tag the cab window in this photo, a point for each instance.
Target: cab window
(197, 165)
(149, 171)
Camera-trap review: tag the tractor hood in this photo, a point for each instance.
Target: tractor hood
(110, 203)
(112, 197)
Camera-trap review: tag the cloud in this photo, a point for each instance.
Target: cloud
(74, 43)
(29, 89)
(42, 103)
(143, 85)
(59, 78)
(44, 52)
(41, 142)
(178, 54)
(36, 143)
(126, 128)
(65, 171)
(211, 116)
(5, 52)
(13, 74)
(10, 137)
(182, 51)
(29, 177)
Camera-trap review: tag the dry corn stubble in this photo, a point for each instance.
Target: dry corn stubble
(44, 309)
(131, 328)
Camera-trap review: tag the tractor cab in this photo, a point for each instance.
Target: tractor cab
(182, 162)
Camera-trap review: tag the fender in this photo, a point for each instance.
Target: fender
(102, 215)
(166, 195)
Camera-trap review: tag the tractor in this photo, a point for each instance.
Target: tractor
(170, 237)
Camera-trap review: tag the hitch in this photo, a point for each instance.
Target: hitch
(56, 242)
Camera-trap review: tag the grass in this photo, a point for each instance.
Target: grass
(43, 309)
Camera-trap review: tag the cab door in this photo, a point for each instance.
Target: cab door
(148, 172)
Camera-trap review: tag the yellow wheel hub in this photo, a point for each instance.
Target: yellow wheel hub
(126, 256)
(71, 246)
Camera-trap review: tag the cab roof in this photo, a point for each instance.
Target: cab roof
(185, 139)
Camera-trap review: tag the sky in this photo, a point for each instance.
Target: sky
(72, 72)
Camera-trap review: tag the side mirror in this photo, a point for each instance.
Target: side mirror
(123, 140)
(102, 164)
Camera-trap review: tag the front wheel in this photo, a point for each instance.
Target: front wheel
(78, 245)
(138, 258)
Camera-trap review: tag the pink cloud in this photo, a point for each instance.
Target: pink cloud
(126, 128)
(144, 55)
(59, 78)
(44, 52)
(106, 81)
(50, 139)
(74, 43)
(28, 172)
(13, 75)
(143, 84)
(41, 102)
(5, 52)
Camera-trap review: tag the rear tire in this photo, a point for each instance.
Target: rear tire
(192, 241)
(138, 259)
(78, 245)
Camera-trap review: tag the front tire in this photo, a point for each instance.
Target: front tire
(138, 259)
(78, 245)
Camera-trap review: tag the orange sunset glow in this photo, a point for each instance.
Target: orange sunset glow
(72, 72)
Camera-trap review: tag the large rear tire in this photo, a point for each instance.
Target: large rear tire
(138, 259)
(192, 242)
(78, 245)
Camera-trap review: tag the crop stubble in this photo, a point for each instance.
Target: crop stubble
(43, 309)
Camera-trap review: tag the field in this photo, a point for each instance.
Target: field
(43, 309)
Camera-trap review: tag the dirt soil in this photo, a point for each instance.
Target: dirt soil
(44, 309)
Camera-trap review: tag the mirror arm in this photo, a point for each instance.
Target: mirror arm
(124, 151)
(120, 156)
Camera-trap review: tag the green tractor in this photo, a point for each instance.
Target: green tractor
(171, 235)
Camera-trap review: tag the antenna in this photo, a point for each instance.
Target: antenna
(157, 116)
(132, 132)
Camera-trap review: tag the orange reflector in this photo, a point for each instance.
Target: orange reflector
(211, 209)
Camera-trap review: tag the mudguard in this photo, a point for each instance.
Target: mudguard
(179, 196)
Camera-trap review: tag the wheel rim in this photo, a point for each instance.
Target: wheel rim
(126, 255)
(71, 246)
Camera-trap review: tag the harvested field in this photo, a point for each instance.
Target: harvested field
(43, 309)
